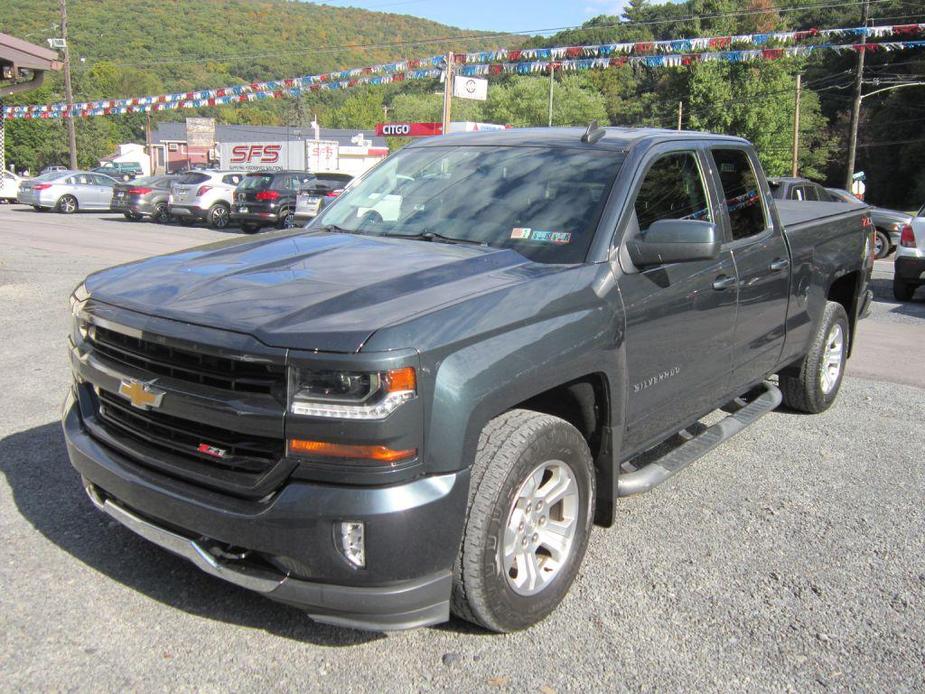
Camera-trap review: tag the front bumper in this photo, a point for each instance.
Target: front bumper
(412, 535)
(909, 269)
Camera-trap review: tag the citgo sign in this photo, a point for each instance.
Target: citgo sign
(408, 129)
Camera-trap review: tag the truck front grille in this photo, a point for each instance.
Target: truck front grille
(205, 369)
(183, 438)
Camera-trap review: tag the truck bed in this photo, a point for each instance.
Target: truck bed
(795, 213)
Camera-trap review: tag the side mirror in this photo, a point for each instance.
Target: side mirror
(675, 241)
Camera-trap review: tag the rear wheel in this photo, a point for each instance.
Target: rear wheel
(531, 503)
(902, 291)
(67, 204)
(822, 370)
(881, 245)
(218, 216)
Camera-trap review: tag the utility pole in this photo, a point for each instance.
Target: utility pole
(856, 107)
(447, 93)
(68, 94)
(680, 113)
(796, 128)
(552, 72)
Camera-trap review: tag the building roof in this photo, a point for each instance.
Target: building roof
(25, 55)
(175, 131)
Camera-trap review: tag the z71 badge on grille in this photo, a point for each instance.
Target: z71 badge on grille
(142, 395)
(212, 450)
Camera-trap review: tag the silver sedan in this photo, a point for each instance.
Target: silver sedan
(67, 191)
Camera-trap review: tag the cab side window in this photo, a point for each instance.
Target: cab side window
(673, 188)
(742, 197)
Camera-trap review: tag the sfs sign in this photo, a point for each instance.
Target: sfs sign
(255, 154)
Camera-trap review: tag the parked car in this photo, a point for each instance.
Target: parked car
(385, 417)
(203, 196)
(53, 168)
(9, 186)
(267, 199)
(67, 191)
(795, 188)
(143, 197)
(120, 170)
(315, 194)
(909, 265)
(889, 223)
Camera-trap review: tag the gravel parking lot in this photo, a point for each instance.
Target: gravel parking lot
(791, 558)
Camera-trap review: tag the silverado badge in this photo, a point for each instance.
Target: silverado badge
(141, 395)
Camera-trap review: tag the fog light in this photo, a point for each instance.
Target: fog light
(353, 542)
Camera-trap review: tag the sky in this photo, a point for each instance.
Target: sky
(495, 15)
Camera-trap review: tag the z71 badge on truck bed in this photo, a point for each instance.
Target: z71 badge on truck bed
(420, 403)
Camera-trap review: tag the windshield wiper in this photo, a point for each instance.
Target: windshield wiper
(439, 238)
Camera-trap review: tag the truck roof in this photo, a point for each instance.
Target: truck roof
(613, 139)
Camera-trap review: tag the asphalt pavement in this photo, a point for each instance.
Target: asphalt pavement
(791, 558)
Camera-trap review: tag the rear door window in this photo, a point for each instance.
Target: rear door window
(673, 188)
(742, 197)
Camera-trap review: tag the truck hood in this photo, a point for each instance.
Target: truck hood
(307, 290)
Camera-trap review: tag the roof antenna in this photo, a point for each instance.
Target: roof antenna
(594, 133)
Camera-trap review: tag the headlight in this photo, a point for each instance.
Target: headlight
(79, 326)
(349, 394)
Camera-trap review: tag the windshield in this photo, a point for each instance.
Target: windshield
(543, 202)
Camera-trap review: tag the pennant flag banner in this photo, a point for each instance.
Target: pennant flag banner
(651, 54)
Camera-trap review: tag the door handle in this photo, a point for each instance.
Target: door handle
(724, 282)
(779, 264)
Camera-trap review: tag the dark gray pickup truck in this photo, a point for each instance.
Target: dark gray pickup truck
(420, 404)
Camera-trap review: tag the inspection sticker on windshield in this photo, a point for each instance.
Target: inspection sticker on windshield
(559, 237)
(520, 233)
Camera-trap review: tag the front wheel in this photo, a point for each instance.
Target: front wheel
(531, 504)
(881, 245)
(218, 216)
(822, 370)
(67, 204)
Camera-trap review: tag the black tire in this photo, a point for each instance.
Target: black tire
(286, 218)
(219, 215)
(804, 391)
(67, 204)
(902, 291)
(160, 214)
(249, 228)
(510, 448)
(133, 216)
(882, 248)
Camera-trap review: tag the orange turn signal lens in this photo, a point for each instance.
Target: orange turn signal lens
(401, 379)
(338, 450)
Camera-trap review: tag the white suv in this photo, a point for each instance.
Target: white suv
(909, 266)
(204, 196)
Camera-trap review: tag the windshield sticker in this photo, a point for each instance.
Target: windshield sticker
(520, 233)
(559, 237)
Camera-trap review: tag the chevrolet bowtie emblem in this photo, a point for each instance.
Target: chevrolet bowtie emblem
(141, 395)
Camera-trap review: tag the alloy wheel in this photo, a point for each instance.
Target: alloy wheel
(832, 358)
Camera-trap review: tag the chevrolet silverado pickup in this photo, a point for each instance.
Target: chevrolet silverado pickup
(419, 404)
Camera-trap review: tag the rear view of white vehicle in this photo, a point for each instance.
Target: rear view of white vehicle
(67, 191)
(204, 196)
(9, 186)
(909, 268)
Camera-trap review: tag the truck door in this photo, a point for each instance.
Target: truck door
(762, 264)
(679, 316)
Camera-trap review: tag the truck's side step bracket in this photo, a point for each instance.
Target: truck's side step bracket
(658, 471)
